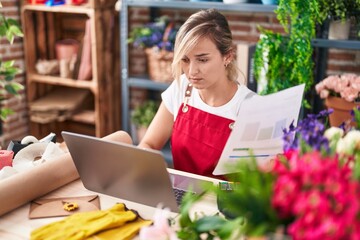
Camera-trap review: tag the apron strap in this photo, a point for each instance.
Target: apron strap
(187, 97)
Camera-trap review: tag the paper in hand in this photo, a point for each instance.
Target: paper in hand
(259, 127)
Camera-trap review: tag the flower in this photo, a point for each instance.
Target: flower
(312, 190)
(161, 229)
(346, 86)
(160, 34)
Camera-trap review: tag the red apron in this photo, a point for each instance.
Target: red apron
(198, 139)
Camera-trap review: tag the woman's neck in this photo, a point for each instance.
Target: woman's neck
(219, 95)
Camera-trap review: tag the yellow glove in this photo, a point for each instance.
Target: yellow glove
(125, 232)
(82, 225)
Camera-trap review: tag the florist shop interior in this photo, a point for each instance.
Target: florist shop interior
(94, 67)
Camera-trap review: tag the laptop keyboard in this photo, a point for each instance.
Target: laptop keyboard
(179, 194)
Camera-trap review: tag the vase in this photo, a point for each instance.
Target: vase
(342, 109)
(339, 29)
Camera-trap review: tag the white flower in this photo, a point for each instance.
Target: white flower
(341, 146)
(161, 229)
(333, 132)
(350, 143)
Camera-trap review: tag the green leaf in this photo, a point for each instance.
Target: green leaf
(2, 30)
(10, 37)
(15, 30)
(13, 88)
(8, 64)
(4, 112)
(208, 223)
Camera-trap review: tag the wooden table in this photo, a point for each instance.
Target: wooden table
(16, 225)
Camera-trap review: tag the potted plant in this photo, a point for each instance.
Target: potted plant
(283, 61)
(9, 28)
(312, 191)
(340, 14)
(142, 116)
(342, 94)
(157, 38)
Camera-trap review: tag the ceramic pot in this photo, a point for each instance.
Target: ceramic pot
(339, 30)
(341, 109)
(66, 49)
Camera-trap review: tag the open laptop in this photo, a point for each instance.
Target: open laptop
(126, 171)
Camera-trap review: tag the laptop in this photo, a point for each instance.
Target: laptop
(128, 172)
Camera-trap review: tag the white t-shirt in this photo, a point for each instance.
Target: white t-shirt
(174, 95)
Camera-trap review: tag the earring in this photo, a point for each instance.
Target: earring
(226, 64)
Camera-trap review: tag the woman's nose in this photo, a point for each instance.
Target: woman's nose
(193, 69)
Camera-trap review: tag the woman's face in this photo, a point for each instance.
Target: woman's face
(204, 65)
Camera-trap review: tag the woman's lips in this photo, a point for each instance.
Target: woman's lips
(195, 80)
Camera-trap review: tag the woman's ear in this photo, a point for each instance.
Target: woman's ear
(228, 58)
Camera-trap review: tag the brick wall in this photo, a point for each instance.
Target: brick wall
(15, 126)
(244, 29)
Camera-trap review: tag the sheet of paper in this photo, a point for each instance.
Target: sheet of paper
(259, 127)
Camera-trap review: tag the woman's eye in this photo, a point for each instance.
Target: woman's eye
(203, 60)
(185, 60)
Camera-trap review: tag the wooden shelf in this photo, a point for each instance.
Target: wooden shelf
(83, 9)
(43, 26)
(85, 116)
(67, 82)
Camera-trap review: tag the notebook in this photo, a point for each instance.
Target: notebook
(128, 172)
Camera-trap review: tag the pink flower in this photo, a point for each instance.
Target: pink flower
(346, 86)
(161, 229)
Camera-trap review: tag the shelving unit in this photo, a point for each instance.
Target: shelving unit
(323, 45)
(43, 26)
(129, 81)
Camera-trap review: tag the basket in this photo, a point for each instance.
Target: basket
(159, 64)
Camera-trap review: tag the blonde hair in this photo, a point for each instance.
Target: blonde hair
(205, 23)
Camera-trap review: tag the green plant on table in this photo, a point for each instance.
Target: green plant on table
(9, 28)
(283, 61)
(144, 113)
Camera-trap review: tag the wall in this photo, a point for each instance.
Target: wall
(243, 25)
(244, 29)
(16, 126)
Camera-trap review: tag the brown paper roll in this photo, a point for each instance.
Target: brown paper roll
(40, 180)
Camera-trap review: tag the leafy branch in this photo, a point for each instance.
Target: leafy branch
(10, 29)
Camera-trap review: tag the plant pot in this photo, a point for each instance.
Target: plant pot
(341, 109)
(339, 29)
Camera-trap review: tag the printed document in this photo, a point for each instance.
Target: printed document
(258, 129)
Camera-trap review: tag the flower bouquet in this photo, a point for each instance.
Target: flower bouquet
(311, 191)
(158, 39)
(341, 93)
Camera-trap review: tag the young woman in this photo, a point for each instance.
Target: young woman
(200, 106)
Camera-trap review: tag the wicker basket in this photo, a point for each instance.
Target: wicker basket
(159, 64)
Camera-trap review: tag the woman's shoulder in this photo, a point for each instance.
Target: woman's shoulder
(245, 91)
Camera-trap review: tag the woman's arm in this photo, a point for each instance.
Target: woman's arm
(159, 130)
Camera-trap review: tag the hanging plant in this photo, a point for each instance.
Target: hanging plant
(283, 61)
